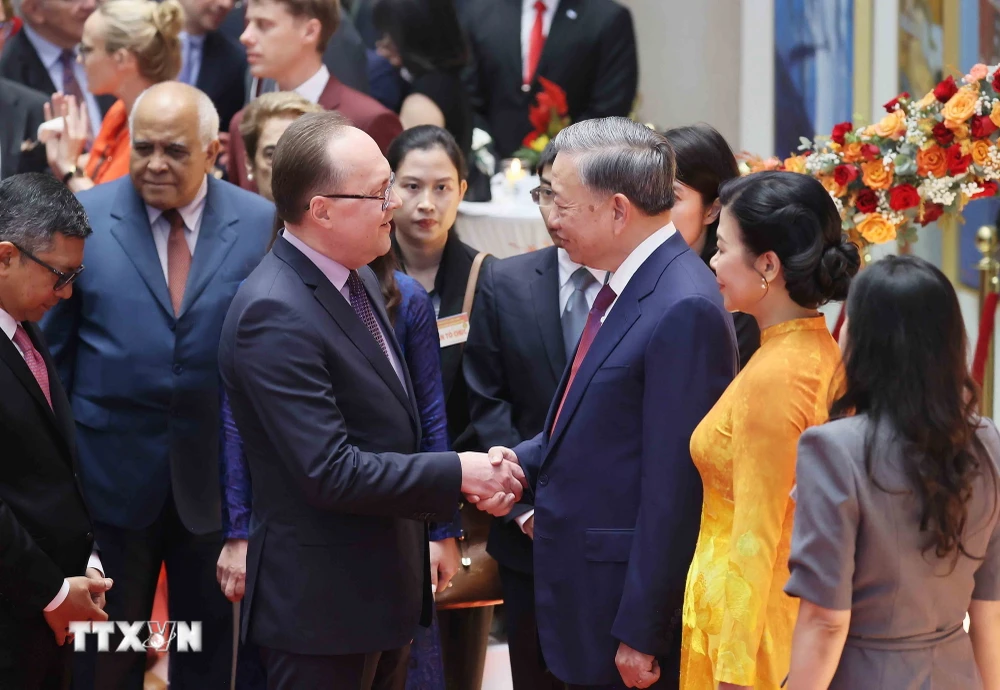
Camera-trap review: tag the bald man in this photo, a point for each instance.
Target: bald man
(136, 348)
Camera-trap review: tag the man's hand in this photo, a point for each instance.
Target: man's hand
(637, 670)
(492, 476)
(231, 569)
(98, 597)
(79, 605)
(445, 562)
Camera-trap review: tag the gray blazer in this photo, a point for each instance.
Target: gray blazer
(858, 547)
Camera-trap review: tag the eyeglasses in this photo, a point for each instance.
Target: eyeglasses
(542, 196)
(63, 278)
(385, 197)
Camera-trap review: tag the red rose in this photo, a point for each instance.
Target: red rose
(557, 97)
(996, 81)
(540, 116)
(529, 139)
(903, 196)
(840, 130)
(845, 174)
(870, 152)
(957, 163)
(943, 135)
(930, 213)
(989, 189)
(891, 105)
(946, 89)
(982, 126)
(867, 201)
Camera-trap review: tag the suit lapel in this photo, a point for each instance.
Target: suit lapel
(216, 238)
(559, 40)
(332, 94)
(545, 300)
(508, 39)
(136, 238)
(11, 129)
(624, 314)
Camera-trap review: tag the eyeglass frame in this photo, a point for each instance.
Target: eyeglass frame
(385, 198)
(63, 278)
(536, 195)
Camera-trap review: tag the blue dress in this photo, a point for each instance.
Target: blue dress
(416, 331)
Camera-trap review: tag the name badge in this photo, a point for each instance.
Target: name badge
(453, 330)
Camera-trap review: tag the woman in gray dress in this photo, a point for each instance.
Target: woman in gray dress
(896, 530)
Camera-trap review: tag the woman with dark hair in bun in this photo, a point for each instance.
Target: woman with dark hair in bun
(781, 256)
(704, 163)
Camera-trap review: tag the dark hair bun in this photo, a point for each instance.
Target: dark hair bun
(793, 216)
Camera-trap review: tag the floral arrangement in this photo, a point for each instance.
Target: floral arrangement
(926, 159)
(549, 116)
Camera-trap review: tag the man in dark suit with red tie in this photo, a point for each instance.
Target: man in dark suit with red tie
(50, 572)
(586, 47)
(285, 40)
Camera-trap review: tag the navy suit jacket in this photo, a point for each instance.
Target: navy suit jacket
(617, 497)
(338, 561)
(144, 385)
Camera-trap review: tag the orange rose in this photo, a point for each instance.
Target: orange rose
(796, 164)
(927, 100)
(932, 161)
(876, 175)
(892, 125)
(876, 229)
(831, 185)
(995, 115)
(852, 152)
(960, 107)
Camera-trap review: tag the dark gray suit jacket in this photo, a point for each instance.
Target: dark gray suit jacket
(338, 560)
(21, 110)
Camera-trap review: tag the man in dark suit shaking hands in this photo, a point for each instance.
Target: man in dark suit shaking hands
(617, 498)
(50, 573)
(338, 570)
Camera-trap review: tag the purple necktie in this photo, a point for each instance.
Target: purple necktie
(363, 308)
(70, 86)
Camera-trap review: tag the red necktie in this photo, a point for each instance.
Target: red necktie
(604, 299)
(178, 259)
(535, 43)
(34, 361)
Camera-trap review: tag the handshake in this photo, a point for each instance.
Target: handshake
(493, 481)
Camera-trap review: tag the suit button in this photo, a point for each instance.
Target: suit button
(543, 479)
(90, 536)
(173, 325)
(178, 369)
(525, 88)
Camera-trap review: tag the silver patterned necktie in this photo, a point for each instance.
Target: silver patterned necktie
(574, 316)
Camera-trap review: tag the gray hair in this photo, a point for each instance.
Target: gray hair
(34, 207)
(208, 116)
(619, 156)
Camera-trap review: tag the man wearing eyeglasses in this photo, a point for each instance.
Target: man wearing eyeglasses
(136, 347)
(524, 327)
(50, 571)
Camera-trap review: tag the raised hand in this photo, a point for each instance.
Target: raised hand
(63, 149)
(483, 476)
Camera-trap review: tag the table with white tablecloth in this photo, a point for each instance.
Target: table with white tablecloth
(508, 225)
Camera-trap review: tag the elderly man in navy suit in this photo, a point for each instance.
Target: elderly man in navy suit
(136, 346)
(617, 498)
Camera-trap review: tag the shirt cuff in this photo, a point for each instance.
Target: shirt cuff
(59, 598)
(521, 519)
(95, 563)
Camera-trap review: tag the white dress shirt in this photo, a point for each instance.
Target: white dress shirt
(8, 325)
(312, 88)
(528, 23)
(191, 214)
(49, 53)
(337, 274)
(619, 279)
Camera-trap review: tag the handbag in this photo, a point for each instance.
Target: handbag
(477, 583)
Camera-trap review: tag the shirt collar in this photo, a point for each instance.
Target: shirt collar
(567, 267)
(7, 324)
(312, 88)
(48, 52)
(197, 40)
(638, 257)
(191, 213)
(336, 273)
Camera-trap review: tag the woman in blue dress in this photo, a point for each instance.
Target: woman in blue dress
(411, 313)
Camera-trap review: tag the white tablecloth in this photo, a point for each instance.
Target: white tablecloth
(508, 225)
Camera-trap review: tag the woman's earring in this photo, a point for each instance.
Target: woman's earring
(763, 283)
(250, 176)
